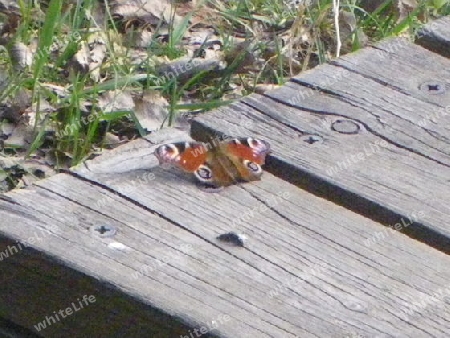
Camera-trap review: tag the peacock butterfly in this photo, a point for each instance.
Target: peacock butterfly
(218, 164)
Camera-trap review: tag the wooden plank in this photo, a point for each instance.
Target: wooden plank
(396, 163)
(37, 283)
(418, 68)
(11, 330)
(310, 268)
(435, 36)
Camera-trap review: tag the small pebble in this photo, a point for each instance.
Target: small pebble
(233, 238)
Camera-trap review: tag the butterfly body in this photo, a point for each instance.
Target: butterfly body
(218, 164)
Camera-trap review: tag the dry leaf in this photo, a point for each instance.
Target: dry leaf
(81, 59)
(184, 68)
(262, 88)
(20, 137)
(151, 110)
(149, 11)
(405, 7)
(111, 141)
(116, 100)
(371, 5)
(90, 57)
(348, 27)
(21, 56)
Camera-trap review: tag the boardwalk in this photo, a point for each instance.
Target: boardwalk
(348, 232)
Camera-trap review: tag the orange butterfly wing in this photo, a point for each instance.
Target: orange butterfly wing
(250, 149)
(193, 157)
(226, 163)
(187, 155)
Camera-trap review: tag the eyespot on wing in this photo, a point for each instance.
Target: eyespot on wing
(250, 149)
(187, 155)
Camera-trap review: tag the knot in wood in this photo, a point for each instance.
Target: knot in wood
(345, 126)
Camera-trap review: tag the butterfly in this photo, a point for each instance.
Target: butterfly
(217, 163)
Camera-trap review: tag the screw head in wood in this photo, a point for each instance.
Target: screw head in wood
(345, 126)
(433, 87)
(103, 230)
(311, 139)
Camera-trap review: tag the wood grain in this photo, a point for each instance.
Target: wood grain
(435, 36)
(398, 163)
(310, 268)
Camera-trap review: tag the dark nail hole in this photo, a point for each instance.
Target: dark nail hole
(434, 87)
(311, 139)
(103, 230)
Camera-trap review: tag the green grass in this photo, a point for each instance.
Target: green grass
(275, 51)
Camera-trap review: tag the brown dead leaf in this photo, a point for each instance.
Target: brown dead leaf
(347, 28)
(81, 59)
(184, 68)
(6, 129)
(36, 169)
(205, 16)
(262, 88)
(203, 42)
(16, 108)
(150, 11)
(20, 137)
(244, 52)
(58, 90)
(371, 5)
(21, 56)
(90, 57)
(9, 6)
(405, 7)
(138, 39)
(151, 109)
(111, 141)
(116, 100)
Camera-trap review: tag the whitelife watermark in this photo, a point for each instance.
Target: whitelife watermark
(306, 275)
(271, 202)
(210, 326)
(73, 308)
(355, 158)
(434, 117)
(342, 74)
(129, 186)
(393, 228)
(417, 307)
(83, 121)
(21, 245)
(176, 70)
(158, 264)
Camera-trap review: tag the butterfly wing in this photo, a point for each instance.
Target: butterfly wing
(247, 154)
(188, 156)
(224, 164)
(249, 149)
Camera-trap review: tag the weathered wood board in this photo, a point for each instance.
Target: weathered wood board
(11, 330)
(303, 273)
(436, 36)
(383, 145)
